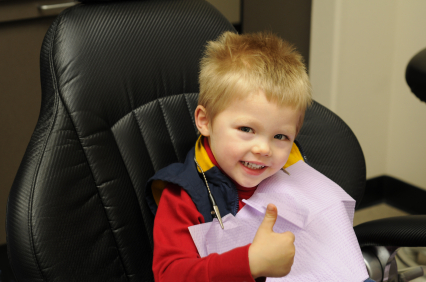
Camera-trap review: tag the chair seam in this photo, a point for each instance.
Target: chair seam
(97, 190)
(133, 114)
(185, 95)
(87, 161)
(160, 102)
(49, 131)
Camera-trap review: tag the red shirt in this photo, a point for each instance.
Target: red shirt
(175, 256)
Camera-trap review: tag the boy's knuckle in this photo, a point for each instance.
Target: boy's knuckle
(290, 235)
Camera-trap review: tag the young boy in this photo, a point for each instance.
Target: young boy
(254, 91)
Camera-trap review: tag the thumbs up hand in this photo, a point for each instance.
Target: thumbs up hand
(271, 254)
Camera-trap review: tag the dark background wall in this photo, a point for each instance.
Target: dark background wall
(289, 19)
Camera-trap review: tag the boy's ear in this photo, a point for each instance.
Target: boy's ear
(201, 120)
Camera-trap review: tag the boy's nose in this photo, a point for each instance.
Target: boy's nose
(262, 148)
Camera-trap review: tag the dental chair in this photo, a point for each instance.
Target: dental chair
(119, 89)
(415, 75)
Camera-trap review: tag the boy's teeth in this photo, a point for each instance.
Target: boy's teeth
(252, 166)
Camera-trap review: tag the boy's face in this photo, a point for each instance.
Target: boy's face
(251, 139)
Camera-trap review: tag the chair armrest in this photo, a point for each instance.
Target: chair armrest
(407, 231)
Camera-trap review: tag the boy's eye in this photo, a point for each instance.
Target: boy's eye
(246, 129)
(281, 137)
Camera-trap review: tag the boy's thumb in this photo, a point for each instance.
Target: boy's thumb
(270, 217)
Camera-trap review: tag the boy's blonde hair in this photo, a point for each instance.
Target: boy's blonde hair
(235, 66)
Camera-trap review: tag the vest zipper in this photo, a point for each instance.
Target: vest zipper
(215, 210)
(236, 206)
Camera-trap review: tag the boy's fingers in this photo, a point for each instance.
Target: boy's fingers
(270, 217)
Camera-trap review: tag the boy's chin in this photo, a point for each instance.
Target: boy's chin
(248, 184)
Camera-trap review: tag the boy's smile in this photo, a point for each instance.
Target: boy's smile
(251, 138)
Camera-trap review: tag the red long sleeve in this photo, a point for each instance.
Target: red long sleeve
(175, 255)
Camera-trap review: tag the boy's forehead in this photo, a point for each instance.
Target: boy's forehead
(253, 104)
(252, 97)
(250, 103)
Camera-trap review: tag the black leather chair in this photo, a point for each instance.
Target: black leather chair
(415, 75)
(119, 84)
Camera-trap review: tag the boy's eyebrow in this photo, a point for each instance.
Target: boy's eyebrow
(248, 120)
(292, 133)
(251, 121)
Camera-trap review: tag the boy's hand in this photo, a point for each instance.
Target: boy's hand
(271, 254)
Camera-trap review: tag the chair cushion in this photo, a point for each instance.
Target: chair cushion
(110, 75)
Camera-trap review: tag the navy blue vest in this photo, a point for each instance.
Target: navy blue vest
(186, 176)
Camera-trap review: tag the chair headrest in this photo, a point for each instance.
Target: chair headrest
(415, 75)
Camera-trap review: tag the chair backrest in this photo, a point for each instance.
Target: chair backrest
(415, 75)
(115, 108)
(119, 84)
(332, 148)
